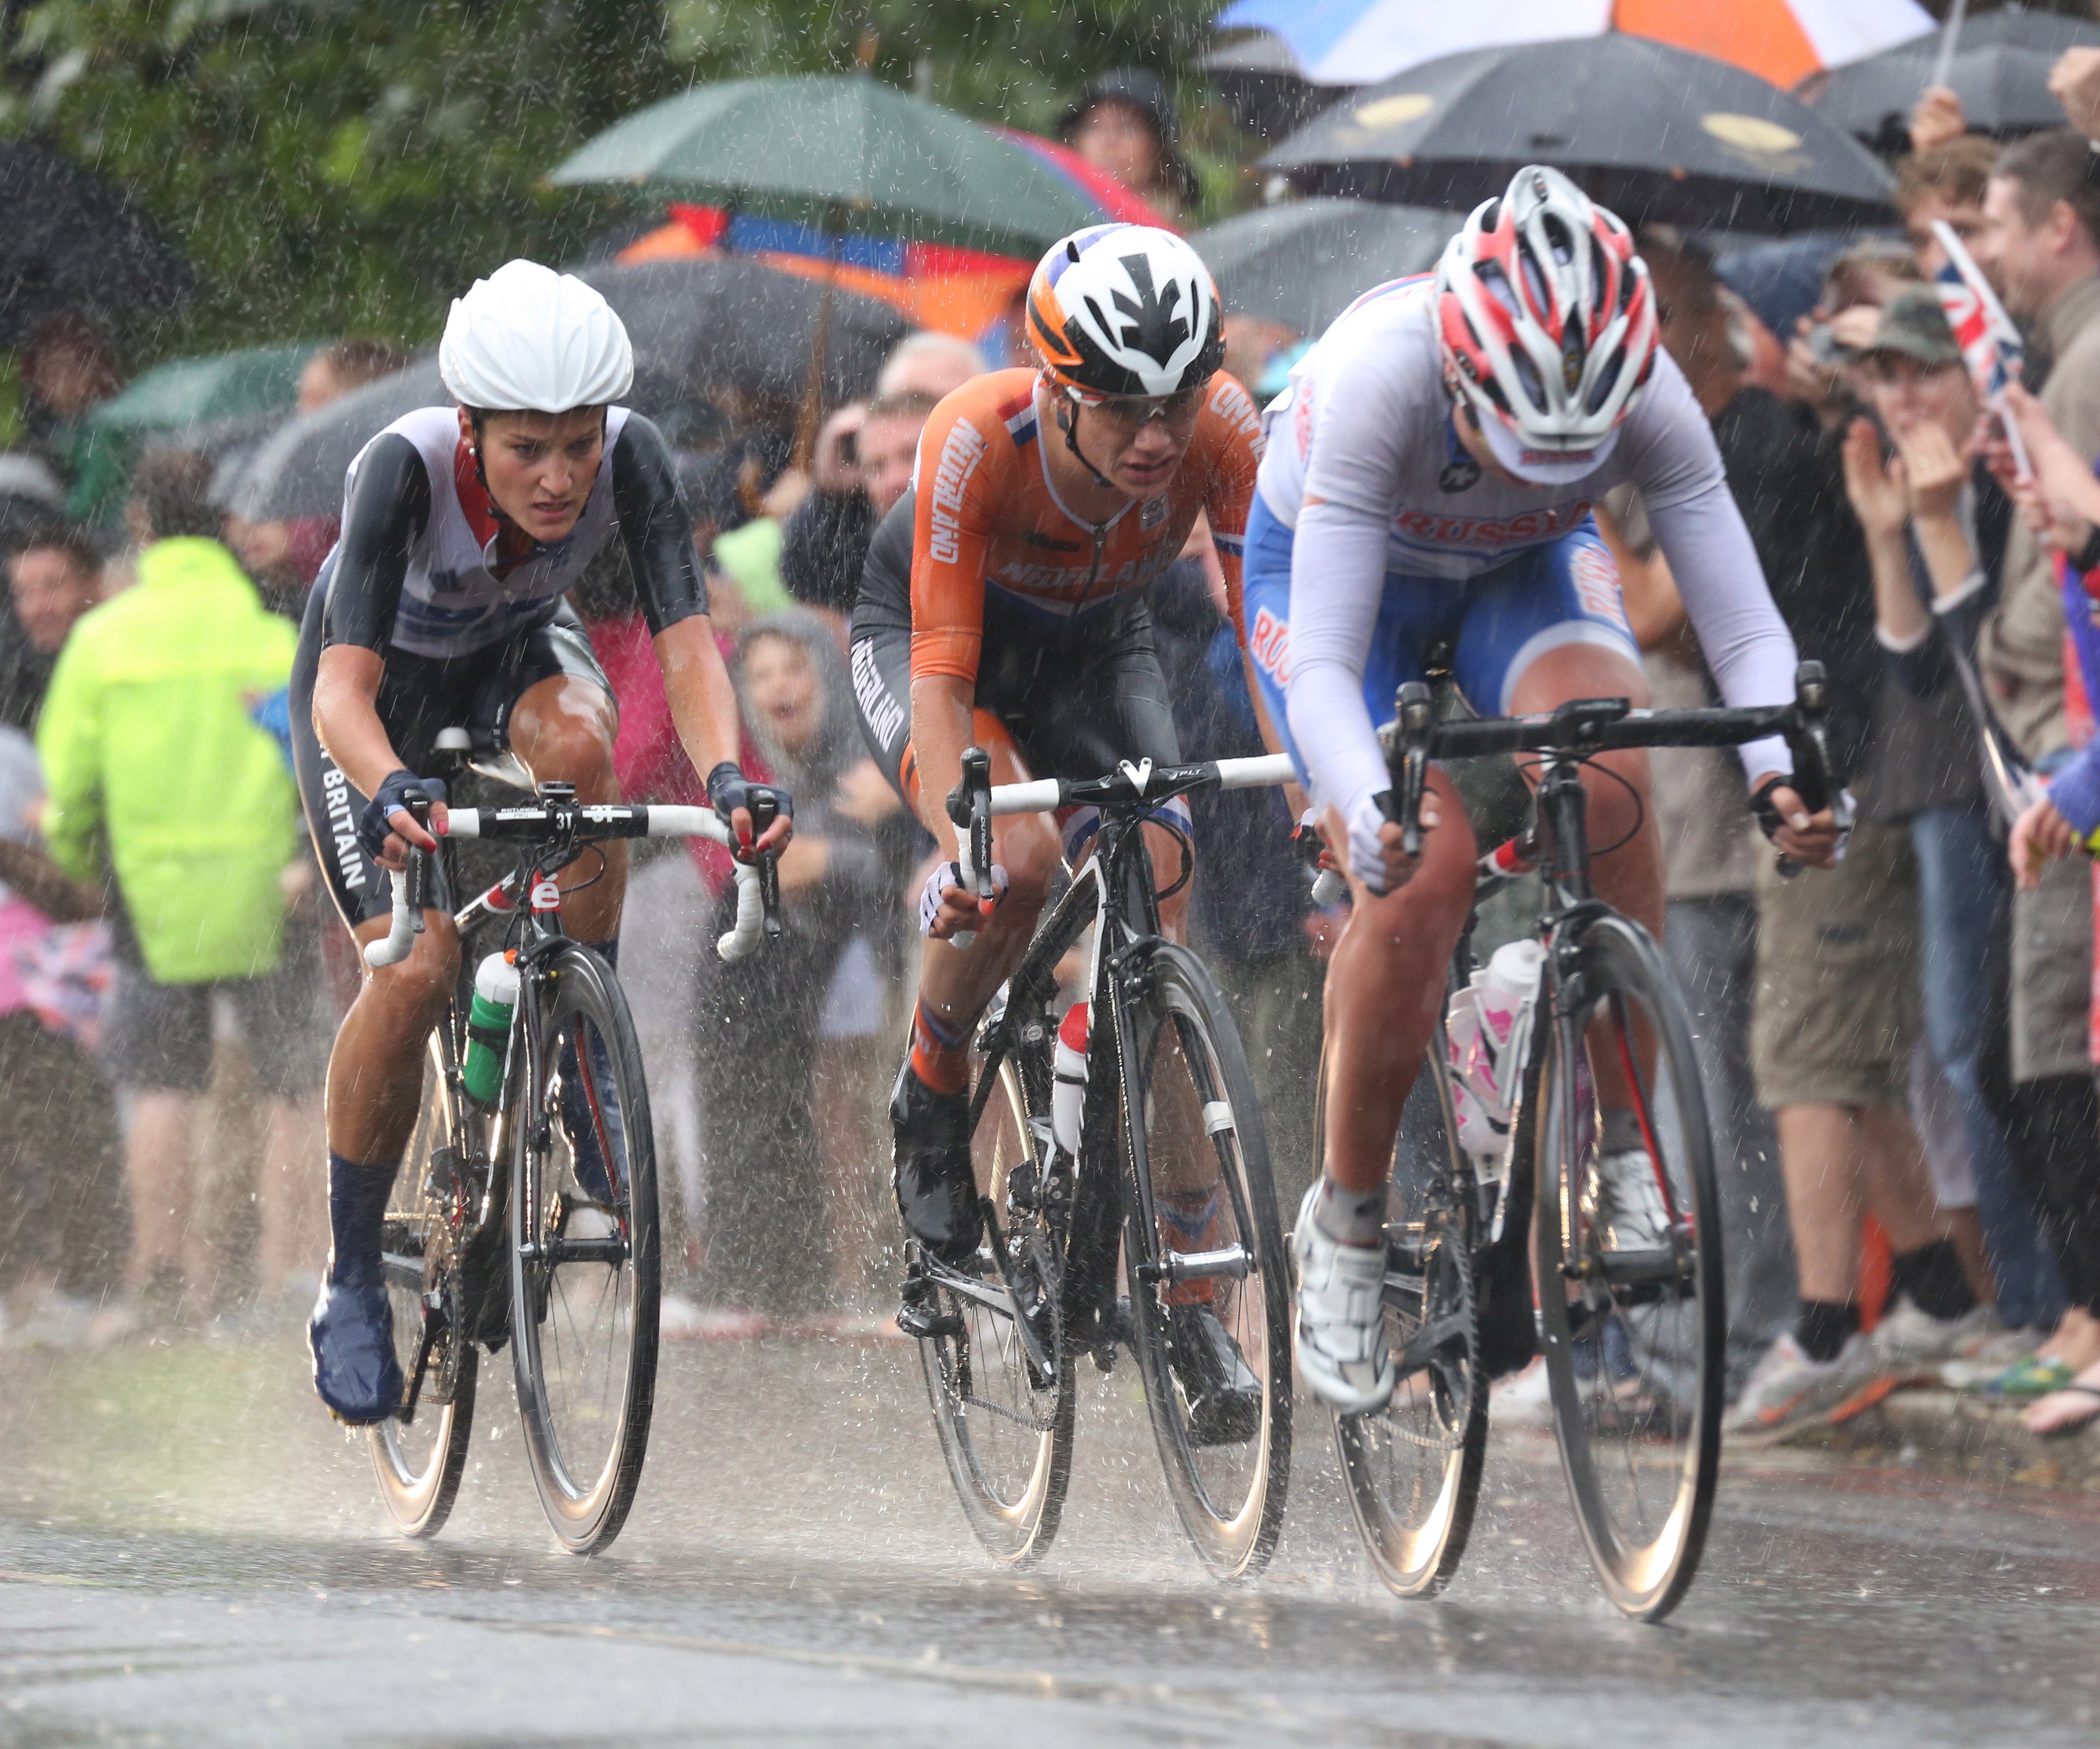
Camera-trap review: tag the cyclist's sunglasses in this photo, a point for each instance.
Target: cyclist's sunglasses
(1133, 413)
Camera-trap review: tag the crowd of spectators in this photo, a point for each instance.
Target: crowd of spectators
(1900, 1056)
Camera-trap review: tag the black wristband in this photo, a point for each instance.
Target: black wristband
(2088, 557)
(2093, 163)
(1767, 815)
(728, 772)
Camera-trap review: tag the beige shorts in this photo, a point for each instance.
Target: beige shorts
(1838, 1004)
(2051, 995)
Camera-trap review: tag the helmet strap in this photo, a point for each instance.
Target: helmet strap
(1068, 423)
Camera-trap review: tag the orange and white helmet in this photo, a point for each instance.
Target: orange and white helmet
(1546, 319)
(1125, 309)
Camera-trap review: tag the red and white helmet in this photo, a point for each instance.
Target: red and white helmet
(1546, 319)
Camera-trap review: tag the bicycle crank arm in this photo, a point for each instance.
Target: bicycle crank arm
(1428, 1342)
(1234, 1261)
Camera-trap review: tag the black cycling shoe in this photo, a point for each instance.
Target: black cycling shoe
(919, 1316)
(937, 1192)
(351, 1337)
(1225, 1396)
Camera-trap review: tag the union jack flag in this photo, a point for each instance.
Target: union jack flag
(1991, 345)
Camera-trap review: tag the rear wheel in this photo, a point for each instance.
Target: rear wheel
(585, 1255)
(1414, 1471)
(420, 1459)
(1002, 1413)
(1210, 1296)
(1633, 1340)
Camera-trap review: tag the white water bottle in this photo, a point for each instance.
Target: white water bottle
(1068, 1093)
(1489, 1027)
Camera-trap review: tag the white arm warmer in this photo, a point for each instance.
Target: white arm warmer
(1337, 578)
(1745, 642)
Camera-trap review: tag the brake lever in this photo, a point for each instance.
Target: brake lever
(1415, 710)
(765, 810)
(969, 807)
(1808, 741)
(416, 877)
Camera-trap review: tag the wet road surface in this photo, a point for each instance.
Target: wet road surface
(190, 1553)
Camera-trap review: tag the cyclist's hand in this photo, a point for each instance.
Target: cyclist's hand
(1812, 839)
(730, 792)
(946, 905)
(1375, 858)
(2040, 835)
(388, 830)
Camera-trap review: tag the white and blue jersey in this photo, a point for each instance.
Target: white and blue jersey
(1374, 534)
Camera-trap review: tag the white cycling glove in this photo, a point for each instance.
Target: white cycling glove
(1366, 852)
(947, 875)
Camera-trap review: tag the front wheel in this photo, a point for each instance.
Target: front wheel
(1209, 1294)
(1633, 1337)
(585, 1251)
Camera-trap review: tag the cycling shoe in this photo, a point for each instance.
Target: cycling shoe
(936, 1191)
(1225, 1396)
(351, 1337)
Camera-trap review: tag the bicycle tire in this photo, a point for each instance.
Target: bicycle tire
(1636, 1382)
(586, 1418)
(1005, 1430)
(1413, 1471)
(1231, 1507)
(419, 1462)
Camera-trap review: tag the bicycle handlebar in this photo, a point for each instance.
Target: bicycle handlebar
(756, 909)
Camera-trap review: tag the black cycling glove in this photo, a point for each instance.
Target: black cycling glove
(1767, 815)
(372, 829)
(729, 789)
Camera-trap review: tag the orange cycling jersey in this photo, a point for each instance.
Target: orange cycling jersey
(987, 518)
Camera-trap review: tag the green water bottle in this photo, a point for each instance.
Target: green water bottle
(489, 1027)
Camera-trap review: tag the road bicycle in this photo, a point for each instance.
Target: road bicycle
(1160, 1234)
(1633, 1340)
(497, 1230)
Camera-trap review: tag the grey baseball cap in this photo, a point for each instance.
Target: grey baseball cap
(1913, 324)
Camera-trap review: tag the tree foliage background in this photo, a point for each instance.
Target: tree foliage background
(348, 165)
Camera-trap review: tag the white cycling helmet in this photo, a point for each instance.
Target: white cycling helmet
(1126, 310)
(1545, 313)
(527, 339)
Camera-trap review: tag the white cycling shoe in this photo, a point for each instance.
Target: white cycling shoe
(1624, 1207)
(1339, 1331)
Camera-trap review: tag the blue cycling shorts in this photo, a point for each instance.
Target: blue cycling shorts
(1498, 623)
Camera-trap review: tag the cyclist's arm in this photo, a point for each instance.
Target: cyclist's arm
(658, 531)
(951, 538)
(1337, 578)
(1745, 642)
(389, 508)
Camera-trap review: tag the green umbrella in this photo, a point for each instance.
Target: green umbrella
(190, 391)
(843, 152)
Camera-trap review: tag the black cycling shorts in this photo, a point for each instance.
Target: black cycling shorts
(418, 696)
(1076, 701)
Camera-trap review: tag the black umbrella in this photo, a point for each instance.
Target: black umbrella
(70, 239)
(1303, 262)
(2010, 27)
(1258, 78)
(721, 322)
(2003, 90)
(1653, 132)
(700, 327)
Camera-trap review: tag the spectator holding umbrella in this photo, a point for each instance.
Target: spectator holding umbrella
(1123, 123)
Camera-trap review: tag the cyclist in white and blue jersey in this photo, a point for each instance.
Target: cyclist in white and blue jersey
(1427, 480)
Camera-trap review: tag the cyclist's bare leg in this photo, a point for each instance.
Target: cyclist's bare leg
(563, 728)
(1385, 991)
(1628, 875)
(375, 1078)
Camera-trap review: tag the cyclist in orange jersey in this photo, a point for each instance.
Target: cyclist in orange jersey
(1003, 607)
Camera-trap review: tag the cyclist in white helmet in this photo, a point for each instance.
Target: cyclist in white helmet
(1428, 481)
(441, 606)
